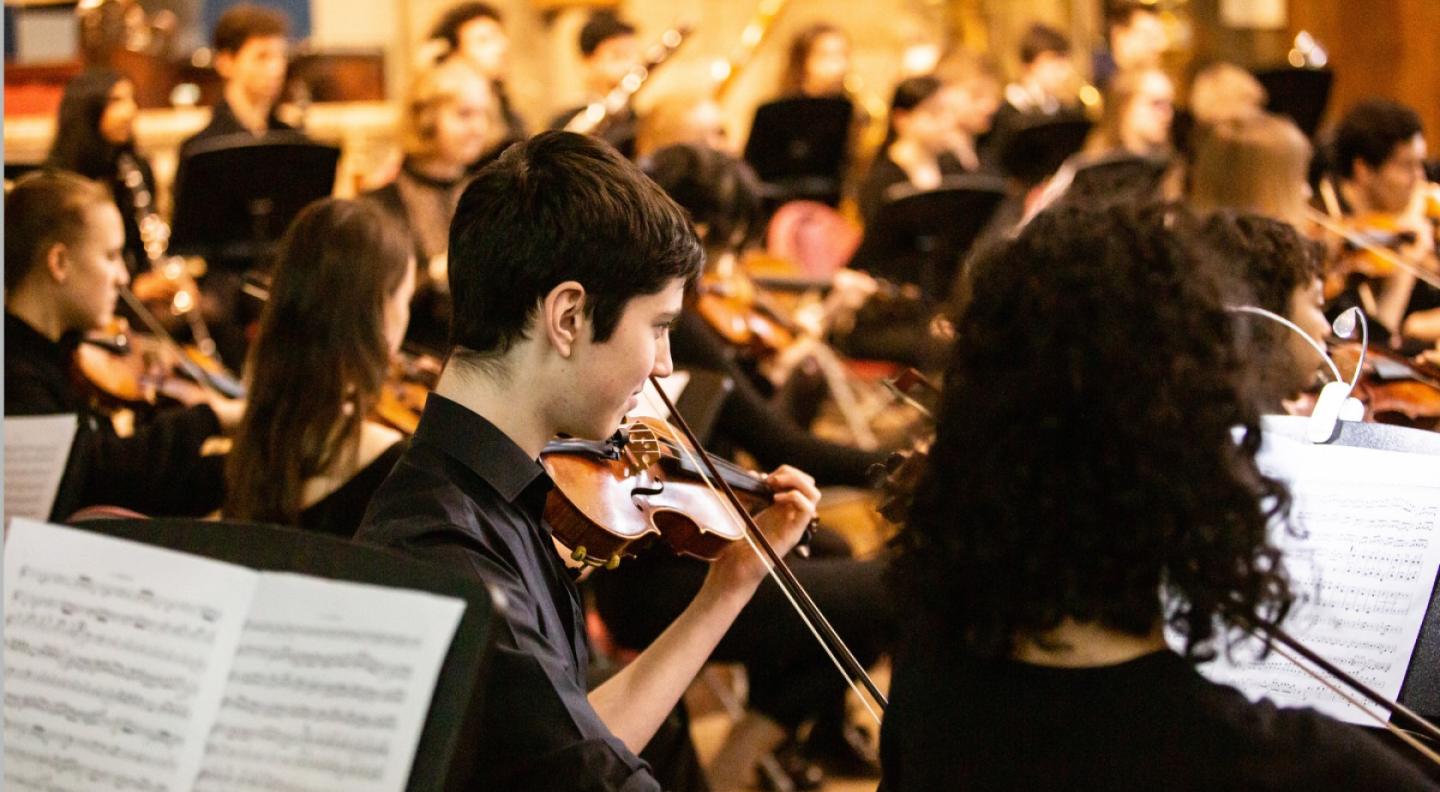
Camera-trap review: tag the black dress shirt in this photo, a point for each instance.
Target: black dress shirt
(465, 496)
(223, 121)
(959, 722)
(157, 471)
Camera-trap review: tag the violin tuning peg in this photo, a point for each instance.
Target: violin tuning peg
(614, 562)
(578, 554)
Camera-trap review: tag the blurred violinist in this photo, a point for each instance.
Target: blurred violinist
(95, 137)
(974, 94)
(450, 124)
(920, 147)
(64, 269)
(1071, 513)
(1045, 89)
(1135, 38)
(339, 303)
(609, 50)
(1378, 182)
(251, 58)
(474, 33)
(1139, 108)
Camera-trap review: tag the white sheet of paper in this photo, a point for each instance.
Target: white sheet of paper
(1363, 565)
(330, 687)
(116, 654)
(651, 406)
(36, 449)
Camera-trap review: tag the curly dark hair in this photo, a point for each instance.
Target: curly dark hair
(1086, 465)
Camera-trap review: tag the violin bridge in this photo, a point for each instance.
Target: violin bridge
(642, 448)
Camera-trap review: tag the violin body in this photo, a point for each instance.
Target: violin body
(734, 308)
(405, 390)
(131, 370)
(614, 496)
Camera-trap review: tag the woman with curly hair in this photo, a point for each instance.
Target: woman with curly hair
(1093, 482)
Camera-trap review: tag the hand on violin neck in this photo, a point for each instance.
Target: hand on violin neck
(740, 569)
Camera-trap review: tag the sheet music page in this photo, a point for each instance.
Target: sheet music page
(36, 449)
(330, 687)
(116, 655)
(1362, 566)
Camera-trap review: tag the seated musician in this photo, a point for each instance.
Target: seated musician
(920, 145)
(250, 57)
(1071, 512)
(474, 33)
(451, 122)
(609, 50)
(568, 268)
(1135, 38)
(63, 272)
(975, 99)
(1378, 179)
(1139, 107)
(308, 452)
(1045, 89)
(1279, 271)
(1224, 93)
(95, 137)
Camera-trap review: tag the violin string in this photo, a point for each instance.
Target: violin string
(1353, 701)
(770, 568)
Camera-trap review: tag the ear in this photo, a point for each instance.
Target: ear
(57, 262)
(562, 316)
(224, 64)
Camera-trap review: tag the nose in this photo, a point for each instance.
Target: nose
(664, 366)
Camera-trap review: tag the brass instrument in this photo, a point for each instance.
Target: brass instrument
(593, 118)
(727, 71)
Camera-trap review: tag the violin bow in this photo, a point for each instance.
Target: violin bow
(1386, 255)
(1395, 708)
(810, 613)
(158, 330)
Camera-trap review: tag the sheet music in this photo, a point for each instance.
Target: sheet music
(330, 687)
(115, 657)
(36, 449)
(1363, 566)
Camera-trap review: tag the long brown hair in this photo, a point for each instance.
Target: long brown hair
(317, 366)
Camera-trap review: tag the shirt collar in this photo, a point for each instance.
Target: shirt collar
(479, 445)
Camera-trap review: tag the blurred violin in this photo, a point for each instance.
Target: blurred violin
(412, 376)
(900, 475)
(1395, 389)
(744, 315)
(1373, 245)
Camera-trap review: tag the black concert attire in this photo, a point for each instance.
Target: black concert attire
(340, 512)
(619, 129)
(884, 174)
(224, 122)
(158, 470)
(466, 497)
(224, 305)
(959, 722)
(424, 205)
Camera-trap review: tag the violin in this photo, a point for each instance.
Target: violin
(735, 308)
(900, 475)
(412, 376)
(640, 485)
(647, 482)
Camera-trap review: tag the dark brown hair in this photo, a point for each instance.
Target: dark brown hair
(244, 22)
(316, 367)
(44, 209)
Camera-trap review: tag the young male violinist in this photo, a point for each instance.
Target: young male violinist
(1379, 179)
(567, 267)
(63, 273)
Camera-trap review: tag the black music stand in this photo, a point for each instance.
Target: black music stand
(236, 194)
(1039, 145)
(920, 236)
(1301, 94)
(798, 147)
(444, 757)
